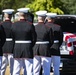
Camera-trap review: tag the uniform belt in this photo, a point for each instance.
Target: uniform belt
(56, 41)
(8, 39)
(42, 42)
(22, 41)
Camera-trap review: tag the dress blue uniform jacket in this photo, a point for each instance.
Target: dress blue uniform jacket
(23, 31)
(44, 33)
(58, 36)
(8, 46)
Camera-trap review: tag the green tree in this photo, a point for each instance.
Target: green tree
(6, 4)
(49, 5)
(70, 6)
(14, 4)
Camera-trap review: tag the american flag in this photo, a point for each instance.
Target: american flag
(70, 40)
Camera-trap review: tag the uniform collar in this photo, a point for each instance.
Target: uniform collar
(22, 19)
(8, 20)
(41, 22)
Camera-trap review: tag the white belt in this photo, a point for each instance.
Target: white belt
(8, 39)
(44, 42)
(22, 41)
(56, 41)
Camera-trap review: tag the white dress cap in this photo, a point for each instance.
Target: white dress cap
(52, 15)
(41, 13)
(24, 10)
(8, 11)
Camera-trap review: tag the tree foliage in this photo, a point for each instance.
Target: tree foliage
(15, 4)
(57, 6)
(6, 4)
(49, 5)
(70, 6)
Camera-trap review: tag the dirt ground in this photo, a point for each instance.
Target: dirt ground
(8, 71)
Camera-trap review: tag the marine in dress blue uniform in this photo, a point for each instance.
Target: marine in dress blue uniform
(24, 36)
(30, 18)
(42, 46)
(58, 38)
(8, 46)
(2, 41)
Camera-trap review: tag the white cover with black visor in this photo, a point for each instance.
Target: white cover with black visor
(51, 15)
(41, 13)
(23, 10)
(8, 11)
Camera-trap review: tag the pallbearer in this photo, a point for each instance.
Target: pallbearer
(8, 46)
(42, 46)
(58, 39)
(24, 36)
